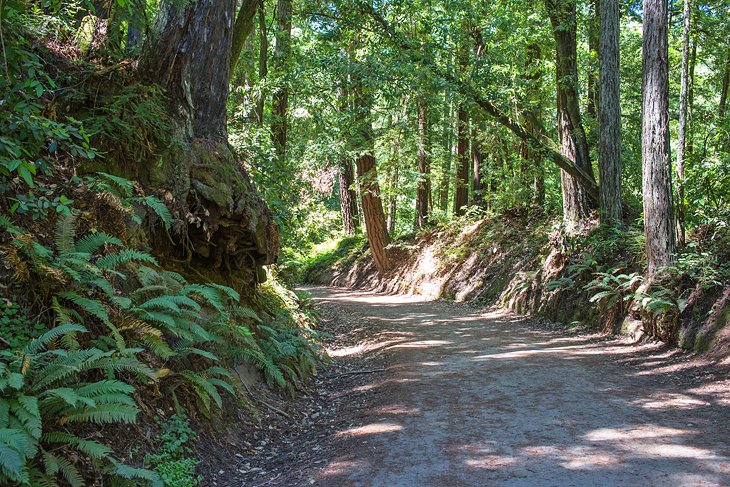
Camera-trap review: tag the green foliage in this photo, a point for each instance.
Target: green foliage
(46, 387)
(322, 258)
(16, 328)
(173, 460)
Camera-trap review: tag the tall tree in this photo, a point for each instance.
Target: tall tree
(682, 126)
(367, 177)
(423, 191)
(447, 143)
(573, 143)
(263, 61)
(461, 191)
(348, 196)
(655, 163)
(609, 124)
(282, 54)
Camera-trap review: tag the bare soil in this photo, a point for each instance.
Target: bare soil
(435, 394)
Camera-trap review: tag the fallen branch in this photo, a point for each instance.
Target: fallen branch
(359, 372)
(256, 398)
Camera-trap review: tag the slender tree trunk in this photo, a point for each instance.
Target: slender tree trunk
(367, 176)
(135, 28)
(609, 148)
(444, 181)
(461, 193)
(263, 60)
(424, 166)
(574, 147)
(282, 55)
(724, 88)
(691, 96)
(348, 196)
(682, 127)
(594, 48)
(656, 174)
(242, 29)
(476, 169)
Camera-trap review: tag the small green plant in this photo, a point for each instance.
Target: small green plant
(174, 461)
(16, 329)
(614, 288)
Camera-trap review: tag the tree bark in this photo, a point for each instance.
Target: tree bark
(242, 29)
(367, 176)
(656, 174)
(574, 146)
(233, 232)
(682, 125)
(724, 88)
(445, 179)
(282, 54)
(476, 170)
(348, 197)
(609, 148)
(263, 61)
(461, 192)
(424, 166)
(594, 48)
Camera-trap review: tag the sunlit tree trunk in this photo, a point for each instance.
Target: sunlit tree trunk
(656, 174)
(424, 166)
(282, 56)
(476, 170)
(263, 61)
(682, 126)
(576, 201)
(445, 179)
(242, 29)
(609, 124)
(367, 177)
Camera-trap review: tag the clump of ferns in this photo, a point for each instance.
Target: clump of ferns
(49, 391)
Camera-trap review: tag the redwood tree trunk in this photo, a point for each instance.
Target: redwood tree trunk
(367, 177)
(233, 232)
(424, 166)
(282, 54)
(609, 124)
(348, 197)
(476, 170)
(445, 179)
(656, 175)
(576, 201)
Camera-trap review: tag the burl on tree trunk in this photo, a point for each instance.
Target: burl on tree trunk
(222, 226)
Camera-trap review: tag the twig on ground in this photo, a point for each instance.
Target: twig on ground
(359, 372)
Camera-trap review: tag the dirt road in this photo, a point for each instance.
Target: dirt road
(469, 398)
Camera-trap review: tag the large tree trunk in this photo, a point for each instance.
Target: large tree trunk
(656, 175)
(682, 126)
(424, 166)
(461, 191)
(594, 49)
(242, 29)
(724, 88)
(574, 147)
(282, 54)
(222, 226)
(476, 169)
(367, 177)
(609, 126)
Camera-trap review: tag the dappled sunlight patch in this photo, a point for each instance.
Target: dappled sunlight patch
(485, 456)
(671, 401)
(421, 344)
(398, 409)
(639, 432)
(339, 468)
(360, 348)
(588, 458)
(370, 429)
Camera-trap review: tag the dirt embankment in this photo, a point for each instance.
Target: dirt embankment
(524, 265)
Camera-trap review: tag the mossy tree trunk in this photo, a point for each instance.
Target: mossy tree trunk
(222, 227)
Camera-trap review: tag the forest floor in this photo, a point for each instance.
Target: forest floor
(438, 394)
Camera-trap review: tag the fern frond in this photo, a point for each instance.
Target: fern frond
(94, 241)
(88, 305)
(66, 232)
(124, 187)
(41, 343)
(124, 256)
(102, 414)
(158, 207)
